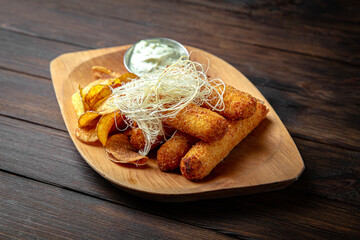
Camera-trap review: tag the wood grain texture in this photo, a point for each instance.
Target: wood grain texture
(29, 54)
(288, 33)
(29, 98)
(44, 212)
(293, 89)
(302, 55)
(268, 159)
(52, 158)
(336, 11)
(37, 96)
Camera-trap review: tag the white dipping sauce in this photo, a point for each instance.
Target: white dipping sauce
(148, 57)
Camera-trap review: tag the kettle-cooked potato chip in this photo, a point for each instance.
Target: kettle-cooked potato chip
(97, 93)
(87, 88)
(119, 150)
(87, 135)
(124, 78)
(100, 72)
(106, 124)
(88, 119)
(105, 106)
(77, 102)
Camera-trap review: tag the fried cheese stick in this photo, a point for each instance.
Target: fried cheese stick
(137, 139)
(238, 104)
(199, 122)
(203, 157)
(172, 151)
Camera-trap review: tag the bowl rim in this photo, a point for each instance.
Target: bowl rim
(128, 52)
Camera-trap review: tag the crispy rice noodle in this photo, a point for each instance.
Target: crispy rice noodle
(153, 97)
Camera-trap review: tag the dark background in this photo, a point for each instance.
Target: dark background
(302, 55)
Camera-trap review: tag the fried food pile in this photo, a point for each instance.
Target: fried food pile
(198, 138)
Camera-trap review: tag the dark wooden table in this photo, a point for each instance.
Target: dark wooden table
(302, 55)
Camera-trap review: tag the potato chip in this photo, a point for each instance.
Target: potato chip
(88, 119)
(116, 83)
(97, 93)
(125, 78)
(105, 106)
(94, 83)
(87, 135)
(77, 102)
(119, 150)
(100, 72)
(101, 105)
(107, 124)
(85, 105)
(139, 162)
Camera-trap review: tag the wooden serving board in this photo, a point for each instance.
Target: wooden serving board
(266, 160)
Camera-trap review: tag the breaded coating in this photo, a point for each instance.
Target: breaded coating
(203, 157)
(137, 139)
(238, 104)
(199, 122)
(172, 151)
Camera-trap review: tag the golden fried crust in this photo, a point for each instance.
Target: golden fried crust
(100, 72)
(238, 104)
(137, 139)
(204, 156)
(120, 150)
(199, 122)
(170, 153)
